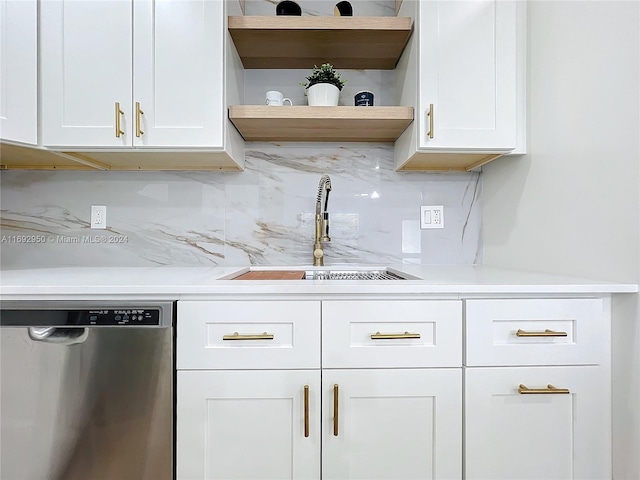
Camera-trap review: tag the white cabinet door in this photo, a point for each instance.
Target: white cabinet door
(247, 425)
(392, 424)
(467, 57)
(86, 68)
(510, 435)
(18, 71)
(178, 74)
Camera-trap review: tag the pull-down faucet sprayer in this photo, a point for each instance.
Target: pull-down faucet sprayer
(322, 220)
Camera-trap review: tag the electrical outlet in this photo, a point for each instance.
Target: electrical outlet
(98, 216)
(431, 216)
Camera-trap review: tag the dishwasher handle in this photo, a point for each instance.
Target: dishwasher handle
(58, 335)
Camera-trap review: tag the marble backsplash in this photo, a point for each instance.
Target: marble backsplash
(264, 215)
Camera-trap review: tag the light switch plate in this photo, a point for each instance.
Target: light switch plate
(431, 216)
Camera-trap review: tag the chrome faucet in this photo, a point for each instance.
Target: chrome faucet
(322, 221)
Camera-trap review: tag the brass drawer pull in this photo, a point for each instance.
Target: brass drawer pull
(391, 336)
(258, 336)
(430, 115)
(119, 131)
(306, 410)
(139, 114)
(523, 390)
(546, 333)
(335, 410)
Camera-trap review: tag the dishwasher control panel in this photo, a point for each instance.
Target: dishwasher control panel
(97, 315)
(125, 316)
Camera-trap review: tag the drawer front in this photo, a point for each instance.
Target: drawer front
(381, 334)
(536, 332)
(248, 335)
(517, 426)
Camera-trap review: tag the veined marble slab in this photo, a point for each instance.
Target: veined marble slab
(262, 216)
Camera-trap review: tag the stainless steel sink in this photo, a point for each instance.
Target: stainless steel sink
(330, 273)
(353, 275)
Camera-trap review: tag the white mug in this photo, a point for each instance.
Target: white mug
(276, 99)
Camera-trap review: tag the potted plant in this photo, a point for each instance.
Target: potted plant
(323, 86)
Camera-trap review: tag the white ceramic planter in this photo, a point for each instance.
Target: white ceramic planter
(323, 94)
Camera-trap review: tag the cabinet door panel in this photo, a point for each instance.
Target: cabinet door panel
(178, 74)
(18, 71)
(467, 71)
(392, 424)
(234, 425)
(516, 436)
(86, 68)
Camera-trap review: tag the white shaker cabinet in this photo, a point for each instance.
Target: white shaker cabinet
(248, 390)
(392, 424)
(387, 413)
(133, 73)
(545, 433)
(460, 72)
(537, 389)
(252, 424)
(18, 71)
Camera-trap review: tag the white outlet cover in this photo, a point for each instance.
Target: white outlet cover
(431, 216)
(98, 216)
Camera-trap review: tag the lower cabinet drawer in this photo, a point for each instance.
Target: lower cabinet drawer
(536, 332)
(248, 335)
(537, 423)
(384, 334)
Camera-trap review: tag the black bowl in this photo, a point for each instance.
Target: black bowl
(287, 7)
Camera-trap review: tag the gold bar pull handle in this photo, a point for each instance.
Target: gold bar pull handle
(139, 114)
(258, 336)
(430, 115)
(524, 390)
(546, 333)
(119, 131)
(306, 410)
(391, 336)
(335, 410)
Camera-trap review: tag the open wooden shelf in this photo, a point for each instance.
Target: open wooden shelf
(302, 42)
(258, 123)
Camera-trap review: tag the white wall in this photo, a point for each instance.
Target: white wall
(572, 205)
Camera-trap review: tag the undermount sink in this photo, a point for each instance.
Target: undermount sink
(320, 274)
(353, 275)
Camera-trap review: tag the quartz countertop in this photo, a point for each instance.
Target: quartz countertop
(175, 283)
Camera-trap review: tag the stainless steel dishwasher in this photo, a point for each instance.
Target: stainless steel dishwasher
(86, 391)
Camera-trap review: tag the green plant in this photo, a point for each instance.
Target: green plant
(324, 74)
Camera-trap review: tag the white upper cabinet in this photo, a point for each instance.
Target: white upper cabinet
(129, 73)
(178, 74)
(459, 71)
(18, 71)
(85, 72)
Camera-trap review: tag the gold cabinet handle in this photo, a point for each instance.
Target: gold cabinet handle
(523, 390)
(139, 113)
(306, 410)
(546, 333)
(257, 336)
(119, 131)
(430, 115)
(335, 410)
(391, 336)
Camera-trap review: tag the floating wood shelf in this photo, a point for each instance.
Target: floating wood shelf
(302, 42)
(258, 123)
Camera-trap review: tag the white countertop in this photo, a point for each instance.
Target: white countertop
(174, 283)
